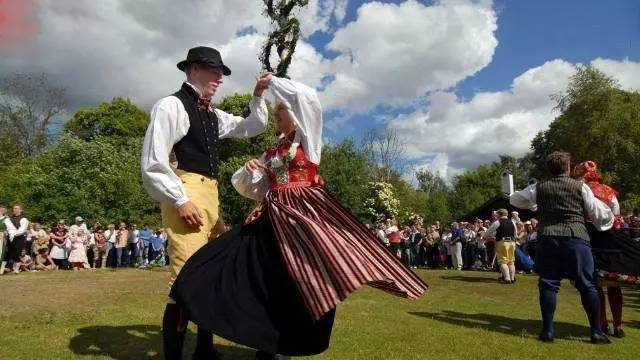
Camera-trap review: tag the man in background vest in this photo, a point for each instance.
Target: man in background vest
(17, 240)
(505, 234)
(6, 231)
(188, 124)
(563, 250)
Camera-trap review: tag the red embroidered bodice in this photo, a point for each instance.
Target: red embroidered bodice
(282, 169)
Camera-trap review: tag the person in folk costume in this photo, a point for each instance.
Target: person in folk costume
(563, 249)
(612, 250)
(17, 239)
(188, 124)
(6, 232)
(504, 231)
(273, 284)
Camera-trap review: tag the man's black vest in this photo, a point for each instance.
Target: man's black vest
(505, 230)
(197, 152)
(15, 220)
(561, 208)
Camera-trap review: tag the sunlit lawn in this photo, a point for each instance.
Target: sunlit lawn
(466, 315)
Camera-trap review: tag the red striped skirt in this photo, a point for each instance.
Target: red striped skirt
(329, 253)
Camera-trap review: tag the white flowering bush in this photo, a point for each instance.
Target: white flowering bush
(381, 202)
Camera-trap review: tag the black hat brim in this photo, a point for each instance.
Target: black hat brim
(182, 65)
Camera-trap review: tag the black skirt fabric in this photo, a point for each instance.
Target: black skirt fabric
(239, 288)
(615, 251)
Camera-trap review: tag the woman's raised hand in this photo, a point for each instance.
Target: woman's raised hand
(253, 164)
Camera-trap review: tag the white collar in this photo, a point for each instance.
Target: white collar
(194, 88)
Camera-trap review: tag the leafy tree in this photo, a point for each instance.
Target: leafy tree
(234, 207)
(238, 104)
(600, 122)
(381, 202)
(438, 209)
(345, 169)
(118, 119)
(98, 180)
(431, 183)
(411, 201)
(474, 187)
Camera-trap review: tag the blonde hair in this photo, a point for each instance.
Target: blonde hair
(280, 105)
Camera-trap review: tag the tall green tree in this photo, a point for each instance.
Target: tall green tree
(345, 169)
(99, 180)
(474, 187)
(598, 121)
(118, 119)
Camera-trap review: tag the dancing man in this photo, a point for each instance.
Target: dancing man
(187, 124)
(563, 249)
(505, 234)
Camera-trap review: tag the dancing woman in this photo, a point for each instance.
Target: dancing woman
(273, 283)
(614, 252)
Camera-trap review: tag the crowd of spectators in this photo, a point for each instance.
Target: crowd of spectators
(30, 246)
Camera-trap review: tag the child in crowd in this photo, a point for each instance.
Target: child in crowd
(26, 263)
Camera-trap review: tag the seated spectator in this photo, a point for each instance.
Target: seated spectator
(44, 262)
(42, 241)
(26, 263)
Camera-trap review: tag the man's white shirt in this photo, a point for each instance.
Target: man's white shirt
(169, 124)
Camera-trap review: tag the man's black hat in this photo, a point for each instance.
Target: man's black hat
(206, 55)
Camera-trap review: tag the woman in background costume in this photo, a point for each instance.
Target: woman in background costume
(616, 255)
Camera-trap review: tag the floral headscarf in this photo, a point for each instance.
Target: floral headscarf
(588, 171)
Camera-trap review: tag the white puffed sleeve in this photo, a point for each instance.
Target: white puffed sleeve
(254, 185)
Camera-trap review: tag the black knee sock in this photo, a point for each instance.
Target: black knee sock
(173, 331)
(548, 309)
(591, 305)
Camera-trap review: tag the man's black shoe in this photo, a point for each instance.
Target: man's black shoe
(545, 337)
(600, 338)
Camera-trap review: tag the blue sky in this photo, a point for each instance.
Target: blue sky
(529, 34)
(532, 32)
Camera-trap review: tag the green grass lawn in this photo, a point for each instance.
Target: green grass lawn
(465, 315)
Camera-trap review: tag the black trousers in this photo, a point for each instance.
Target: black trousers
(15, 247)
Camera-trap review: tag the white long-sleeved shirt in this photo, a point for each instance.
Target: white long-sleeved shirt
(494, 227)
(21, 230)
(599, 213)
(169, 124)
(11, 230)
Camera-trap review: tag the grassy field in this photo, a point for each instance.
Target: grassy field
(466, 315)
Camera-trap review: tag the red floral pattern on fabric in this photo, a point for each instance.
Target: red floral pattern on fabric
(301, 169)
(603, 192)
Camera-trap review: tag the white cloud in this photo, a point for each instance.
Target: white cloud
(318, 15)
(626, 72)
(450, 135)
(394, 53)
(462, 134)
(102, 49)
